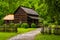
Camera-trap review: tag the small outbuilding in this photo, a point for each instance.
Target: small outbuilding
(8, 18)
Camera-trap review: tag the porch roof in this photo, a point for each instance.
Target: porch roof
(32, 17)
(9, 17)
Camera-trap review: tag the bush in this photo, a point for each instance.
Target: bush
(24, 25)
(11, 25)
(57, 30)
(1, 22)
(5, 25)
(52, 25)
(33, 25)
(18, 25)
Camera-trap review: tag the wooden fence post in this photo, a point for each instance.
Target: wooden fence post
(49, 30)
(42, 30)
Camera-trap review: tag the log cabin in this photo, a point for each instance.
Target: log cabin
(22, 15)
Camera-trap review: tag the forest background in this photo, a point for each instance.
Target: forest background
(48, 10)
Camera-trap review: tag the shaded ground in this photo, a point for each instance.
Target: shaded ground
(27, 36)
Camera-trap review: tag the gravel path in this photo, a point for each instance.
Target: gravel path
(27, 36)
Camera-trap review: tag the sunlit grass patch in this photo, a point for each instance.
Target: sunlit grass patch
(24, 30)
(6, 35)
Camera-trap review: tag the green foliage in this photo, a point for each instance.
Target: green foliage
(18, 25)
(57, 30)
(53, 9)
(24, 30)
(24, 25)
(11, 25)
(4, 25)
(52, 25)
(1, 22)
(33, 25)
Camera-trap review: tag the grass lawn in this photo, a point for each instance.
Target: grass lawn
(6, 35)
(47, 37)
(24, 30)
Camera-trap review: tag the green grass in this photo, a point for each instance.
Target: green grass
(24, 30)
(7, 35)
(4, 36)
(47, 37)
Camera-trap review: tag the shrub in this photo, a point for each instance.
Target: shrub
(1, 22)
(33, 25)
(24, 25)
(51, 27)
(57, 30)
(18, 25)
(11, 25)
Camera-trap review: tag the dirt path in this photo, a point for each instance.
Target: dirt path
(27, 36)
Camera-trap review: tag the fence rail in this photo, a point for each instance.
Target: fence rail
(48, 30)
(8, 29)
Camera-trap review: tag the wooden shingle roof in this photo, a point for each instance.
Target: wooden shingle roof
(9, 17)
(29, 11)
